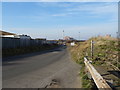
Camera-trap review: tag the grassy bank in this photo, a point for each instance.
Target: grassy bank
(78, 53)
(105, 51)
(24, 50)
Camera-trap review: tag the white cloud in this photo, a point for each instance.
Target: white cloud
(53, 4)
(60, 0)
(62, 14)
(86, 31)
(59, 14)
(97, 8)
(94, 10)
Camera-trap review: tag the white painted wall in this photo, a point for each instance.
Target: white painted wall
(72, 43)
(7, 35)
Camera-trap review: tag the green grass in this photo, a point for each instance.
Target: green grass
(86, 82)
(104, 51)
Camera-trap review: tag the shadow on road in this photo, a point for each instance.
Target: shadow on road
(15, 58)
(9, 63)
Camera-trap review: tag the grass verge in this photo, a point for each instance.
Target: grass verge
(105, 50)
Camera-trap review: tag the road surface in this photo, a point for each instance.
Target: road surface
(37, 70)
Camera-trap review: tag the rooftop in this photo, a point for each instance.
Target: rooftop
(6, 33)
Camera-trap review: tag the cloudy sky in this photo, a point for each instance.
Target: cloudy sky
(49, 19)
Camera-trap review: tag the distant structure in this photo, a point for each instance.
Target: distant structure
(12, 35)
(42, 39)
(108, 36)
(22, 36)
(51, 42)
(6, 34)
(99, 35)
(67, 38)
(72, 44)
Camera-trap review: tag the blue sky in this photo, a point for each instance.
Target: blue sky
(49, 19)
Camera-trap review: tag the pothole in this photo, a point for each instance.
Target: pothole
(54, 84)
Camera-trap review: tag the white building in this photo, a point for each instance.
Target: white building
(68, 38)
(6, 34)
(72, 43)
(12, 35)
(22, 36)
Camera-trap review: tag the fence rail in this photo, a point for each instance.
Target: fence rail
(98, 79)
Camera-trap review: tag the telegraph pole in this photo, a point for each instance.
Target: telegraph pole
(79, 35)
(63, 34)
(117, 33)
(92, 49)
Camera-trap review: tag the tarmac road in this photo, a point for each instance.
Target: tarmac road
(37, 70)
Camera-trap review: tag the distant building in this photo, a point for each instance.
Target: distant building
(6, 34)
(12, 35)
(22, 36)
(67, 38)
(108, 35)
(52, 42)
(72, 43)
(43, 40)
